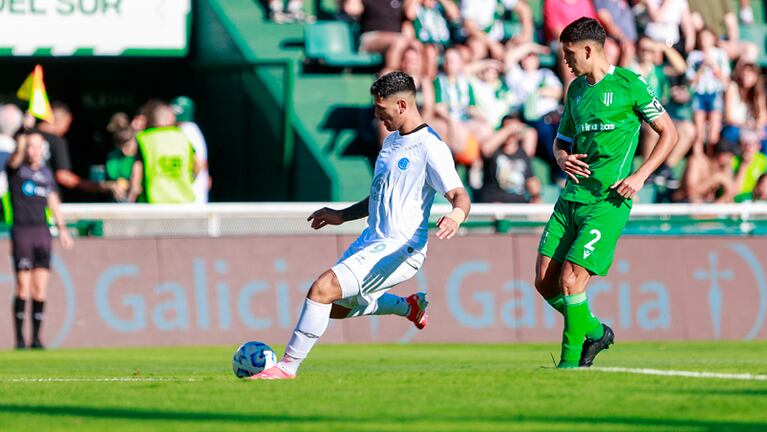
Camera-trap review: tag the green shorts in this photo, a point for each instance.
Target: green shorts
(585, 234)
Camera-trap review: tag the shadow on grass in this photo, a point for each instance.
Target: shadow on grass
(143, 414)
(390, 421)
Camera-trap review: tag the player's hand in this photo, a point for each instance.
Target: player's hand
(573, 165)
(447, 228)
(65, 239)
(325, 216)
(628, 187)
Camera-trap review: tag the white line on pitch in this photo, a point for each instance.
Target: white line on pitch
(104, 379)
(679, 373)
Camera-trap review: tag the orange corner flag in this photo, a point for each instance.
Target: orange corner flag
(33, 90)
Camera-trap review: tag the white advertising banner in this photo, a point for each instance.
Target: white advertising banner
(94, 27)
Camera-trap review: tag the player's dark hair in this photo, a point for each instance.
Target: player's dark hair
(583, 29)
(28, 132)
(391, 83)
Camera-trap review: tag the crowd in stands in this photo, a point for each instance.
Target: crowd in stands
(491, 82)
(159, 155)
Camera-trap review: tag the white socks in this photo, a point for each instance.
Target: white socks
(387, 304)
(310, 327)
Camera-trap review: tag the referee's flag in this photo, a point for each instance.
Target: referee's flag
(33, 90)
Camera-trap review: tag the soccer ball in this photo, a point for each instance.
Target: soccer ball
(251, 358)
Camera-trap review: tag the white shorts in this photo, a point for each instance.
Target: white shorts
(368, 269)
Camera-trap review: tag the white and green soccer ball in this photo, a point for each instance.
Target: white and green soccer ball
(251, 358)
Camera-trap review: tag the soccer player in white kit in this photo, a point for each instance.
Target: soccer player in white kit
(413, 165)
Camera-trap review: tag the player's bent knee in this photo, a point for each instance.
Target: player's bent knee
(325, 289)
(571, 283)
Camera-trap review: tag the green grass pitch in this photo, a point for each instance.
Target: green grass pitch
(386, 388)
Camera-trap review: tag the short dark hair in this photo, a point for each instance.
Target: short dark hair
(582, 29)
(391, 83)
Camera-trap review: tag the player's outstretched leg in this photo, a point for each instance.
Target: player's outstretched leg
(413, 308)
(311, 325)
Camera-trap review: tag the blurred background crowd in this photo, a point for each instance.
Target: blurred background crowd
(492, 83)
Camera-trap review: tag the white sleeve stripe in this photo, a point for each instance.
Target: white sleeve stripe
(566, 139)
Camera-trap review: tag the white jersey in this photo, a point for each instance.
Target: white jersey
(408, 171)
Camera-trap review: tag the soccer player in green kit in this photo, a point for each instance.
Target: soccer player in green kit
(595, 146)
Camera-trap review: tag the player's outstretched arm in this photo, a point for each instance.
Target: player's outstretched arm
(448, 224)
(329, 216)
(629, 186)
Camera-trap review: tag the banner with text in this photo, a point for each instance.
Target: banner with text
(94, 27)
(229, 290)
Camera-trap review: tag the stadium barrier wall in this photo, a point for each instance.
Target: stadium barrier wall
(192, 291)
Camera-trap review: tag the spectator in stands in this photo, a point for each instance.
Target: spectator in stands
(745, 103)
(658, 63)
(745, 12)
(537, 91)
(718, 16)
(11, 119)
(618, 20)
(280, 14)
(455, 105)
(56, 154)
(183, 107)
(508, 176)
(165, 165)
(494, 100)
(557, 14)
(664, 18)
(32, 190)
(708, 70)
(484, 29)
(381, 25)
(431, 24)
(138, 122)
(709, 179)
(760, 190)
(119, 163)
(749, 166)
(679, 108)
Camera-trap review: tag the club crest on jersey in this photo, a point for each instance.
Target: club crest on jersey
(403, 164)
(607, 98)
(577, 100)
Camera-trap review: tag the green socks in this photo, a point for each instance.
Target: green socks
(579, 323)
(558, 303)
(594, 330)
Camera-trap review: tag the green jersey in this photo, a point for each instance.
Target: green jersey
(602, 121)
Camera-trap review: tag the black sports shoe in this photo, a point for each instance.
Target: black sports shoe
(36, 344)
(593, 347)
(20, 344)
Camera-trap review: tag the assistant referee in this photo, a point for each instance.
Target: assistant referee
(32, 189)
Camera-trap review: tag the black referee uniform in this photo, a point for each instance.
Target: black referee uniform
(30, 236)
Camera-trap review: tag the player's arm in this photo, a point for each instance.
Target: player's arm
(449, 223)
(54, 203)
(572, 164)
(329, 216)
(136, 180)
(19, 154)
(664, 126)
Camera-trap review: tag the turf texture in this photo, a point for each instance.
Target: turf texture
(386, 388)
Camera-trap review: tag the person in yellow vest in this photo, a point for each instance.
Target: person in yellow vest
(165, 166)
